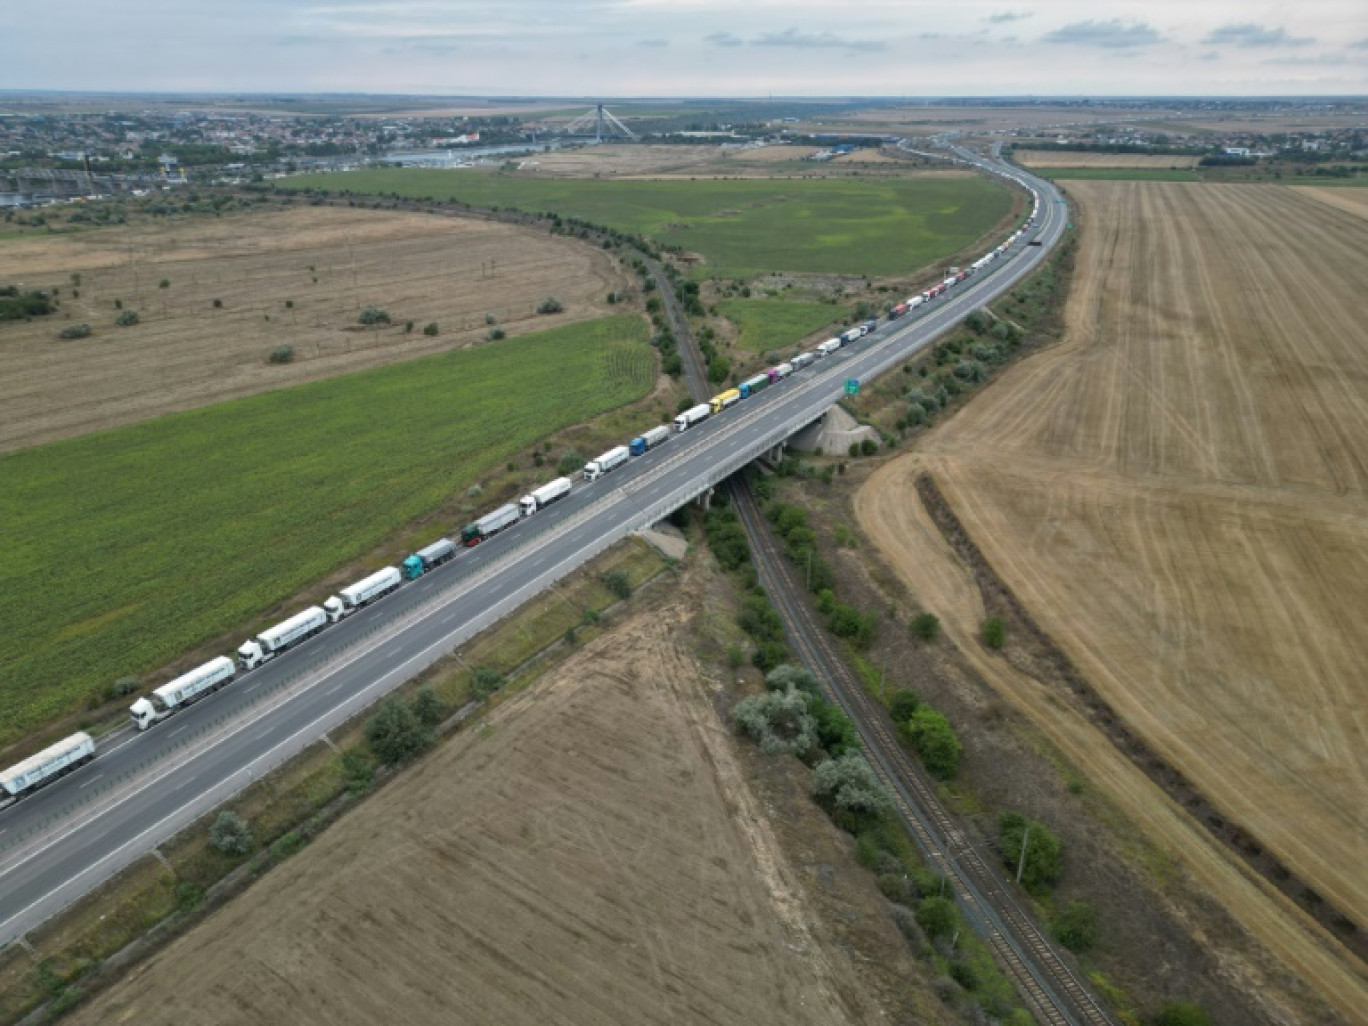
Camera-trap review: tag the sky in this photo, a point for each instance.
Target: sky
(743, 48)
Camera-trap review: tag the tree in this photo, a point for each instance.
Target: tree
(835, 732)
(428, 707)
(935, 741)
(778, 720)
(127, 319)
(937, 916)
(550, 305)
(1182, 1013)
(786, 675)
(1076, 926)
(281, 354)
(230, 834)
(718, 369)
(395, 733)
(430, 329)
(373, 316)
(994, 632)
(848, 784)
(1044, 861)
(903, 705)
(926, 627)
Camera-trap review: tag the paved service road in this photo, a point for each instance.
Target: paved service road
(142, 788)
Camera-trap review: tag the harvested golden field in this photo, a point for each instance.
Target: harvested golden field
(1178, 494)
(591, 854)
(298, 277)
(1060, 158)
(1351, 201)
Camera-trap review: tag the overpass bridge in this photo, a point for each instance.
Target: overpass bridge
(143, 788)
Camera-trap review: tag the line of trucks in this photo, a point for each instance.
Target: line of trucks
(66, 755)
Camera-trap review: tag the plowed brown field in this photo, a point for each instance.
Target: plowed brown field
(591, 855)
(328, 262)
(1178, 493)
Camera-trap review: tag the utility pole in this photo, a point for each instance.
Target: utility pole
(1021, 862)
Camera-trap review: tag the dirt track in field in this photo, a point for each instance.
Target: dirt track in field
(1061, 158)
(187, 353)
(592, 855)
(1351, 201)
(1178, 494)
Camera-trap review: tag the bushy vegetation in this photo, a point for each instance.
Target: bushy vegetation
(281, 354)
(846, 784)
(394, 733)
(934, 740)
(261, 493)
(373, 317)
(1182, 1013)
(127, 318)
(1044, 860)
(926, 627)
(1076, 926)
(20, 306)
(779, 721)
(230, 834)
(994, 632)
(75, 331)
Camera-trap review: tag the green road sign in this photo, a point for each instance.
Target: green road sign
(852, 386)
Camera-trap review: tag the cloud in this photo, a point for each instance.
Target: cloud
(1112, 35)
(657, 43)
(1323, 60)
(1362, 44)
(724, 39)
(815, 41)
(1005, 16)
(1247, 34)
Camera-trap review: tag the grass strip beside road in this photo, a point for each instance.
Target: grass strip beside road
(740, 227)
(766, 324)
(127, 549)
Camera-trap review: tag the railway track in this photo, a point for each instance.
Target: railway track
(1051, 989)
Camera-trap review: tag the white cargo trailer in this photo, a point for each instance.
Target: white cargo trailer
(783, 370)
(828, 347)
(490, 524)
(364, 591)
(49, 764)
(610, 460)
(693, 415)
(648, 440)
(274, 640)
(802, 360)
(544, 496)
(186, 688)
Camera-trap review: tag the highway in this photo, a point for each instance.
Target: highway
(141, 789)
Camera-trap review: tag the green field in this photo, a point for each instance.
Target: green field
(1118, 174)
(124, 550)
(741, 228)
(766, 324)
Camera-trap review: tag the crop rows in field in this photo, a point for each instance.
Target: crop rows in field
(128, 548)
(740, 227)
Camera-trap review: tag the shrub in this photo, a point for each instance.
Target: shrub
(485, 681)
(848, 622)
(935, 741)
(431, 330)
(373, 316)
(926, 627)
(848, 784)
(854, 450)
(357, 770)
(617, 582)
(491, 319)
(835, 732)
(786, 676)
(428, 707)
(994, 632)
(127, 319)
(569, 462)
(903, 705)
(395, 733)
(778, 721)
(281, 354)
(75, 331)
(218, 304)
(768, 655)
(868, 447)
(1044, 862)
(165, 283)
(495, 334)
(718, 369)
(1076, 926)
(977, 321)
(408, 327)
(550, 305)
(936, 916)
(964, 974)
(230, 834)
(1182, 1013)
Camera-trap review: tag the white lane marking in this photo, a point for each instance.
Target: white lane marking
(92, 780)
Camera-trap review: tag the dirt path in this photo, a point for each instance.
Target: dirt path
(298, 277)
(591, 855)
(1177, 494)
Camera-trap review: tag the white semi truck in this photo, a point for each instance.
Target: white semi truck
(693, 415)
(541, 497)
(274, 640)
(610, 460)
(364, 591)
(187, 688)
(52, 762)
